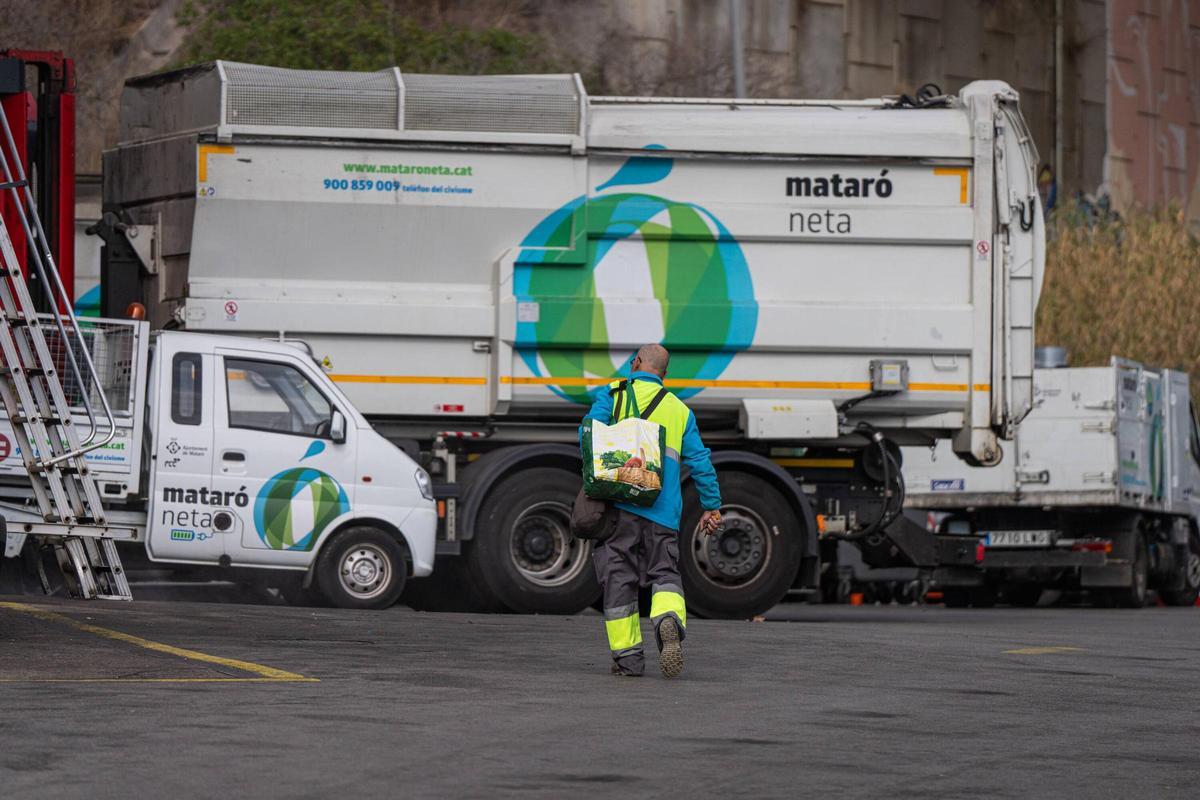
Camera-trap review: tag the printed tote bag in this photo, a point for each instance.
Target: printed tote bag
(623, 461)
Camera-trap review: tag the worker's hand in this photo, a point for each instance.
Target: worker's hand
(709, 522)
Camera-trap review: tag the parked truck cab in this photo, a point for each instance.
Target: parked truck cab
(1099, 491)
(250, 456)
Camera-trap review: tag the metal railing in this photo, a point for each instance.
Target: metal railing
(16, 183)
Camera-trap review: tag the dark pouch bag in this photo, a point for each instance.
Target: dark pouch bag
(591, 518)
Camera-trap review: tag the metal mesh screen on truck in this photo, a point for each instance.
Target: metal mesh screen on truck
(257, 95)
(111, 344)
(291, 98)
(502, 103)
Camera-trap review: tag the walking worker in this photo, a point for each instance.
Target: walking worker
(643, 549)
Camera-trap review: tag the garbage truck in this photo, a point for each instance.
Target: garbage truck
(1099, 491)
(471, 258)
(232, 453)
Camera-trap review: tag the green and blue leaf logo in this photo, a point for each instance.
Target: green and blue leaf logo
(294, 507)
(589, 265)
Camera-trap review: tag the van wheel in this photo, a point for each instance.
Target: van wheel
(748, 565)
(362, 568)
(524, 554)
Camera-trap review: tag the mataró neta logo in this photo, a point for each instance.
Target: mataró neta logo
(615, 247)
(295, 505)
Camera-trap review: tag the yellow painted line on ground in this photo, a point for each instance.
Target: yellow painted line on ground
(212, 149)
(962, 173)
(265, 673)
(1042, 651)
(159, 680)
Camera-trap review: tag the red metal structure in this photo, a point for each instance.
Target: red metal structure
(37, 95)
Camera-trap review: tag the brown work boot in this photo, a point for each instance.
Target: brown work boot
(670, 658)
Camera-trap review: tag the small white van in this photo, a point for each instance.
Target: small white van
(243, 453)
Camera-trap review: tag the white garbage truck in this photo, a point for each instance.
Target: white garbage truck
(236, 453)
(1099, 490)
(471, 258)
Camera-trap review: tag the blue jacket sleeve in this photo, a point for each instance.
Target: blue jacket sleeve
(696, 457)
(601, 409)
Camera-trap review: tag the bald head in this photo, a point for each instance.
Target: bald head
(652, 358)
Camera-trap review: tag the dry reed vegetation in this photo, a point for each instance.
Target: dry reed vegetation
(1128, 288)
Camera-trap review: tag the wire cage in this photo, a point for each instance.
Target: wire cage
(111, 344)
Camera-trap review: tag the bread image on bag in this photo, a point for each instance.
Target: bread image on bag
(613, 471)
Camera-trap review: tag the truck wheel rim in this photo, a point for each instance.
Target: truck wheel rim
(735, 556)
(366, 572)
(542, 547)
(1193, 570)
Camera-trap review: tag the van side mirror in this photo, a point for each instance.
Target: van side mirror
(337, 427)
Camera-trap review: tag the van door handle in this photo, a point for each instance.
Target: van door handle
(233, 455)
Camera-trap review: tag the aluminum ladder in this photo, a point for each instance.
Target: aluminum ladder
(38, 354)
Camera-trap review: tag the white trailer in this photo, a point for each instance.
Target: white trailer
(471, 257)
(235, 453)
(1099, 490)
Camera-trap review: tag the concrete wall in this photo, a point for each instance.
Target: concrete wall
(1153, 102)
(1130, 94)
(110, 40)
(867, 48)
(1131, 78)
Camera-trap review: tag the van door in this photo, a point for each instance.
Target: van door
(180, 525)
(276, 460)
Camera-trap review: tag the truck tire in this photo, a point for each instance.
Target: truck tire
(749, 565)
(362, 568)
(524, 554)
(1134, 595)
(1190, 592)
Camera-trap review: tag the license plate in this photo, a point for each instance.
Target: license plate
(1018, 539)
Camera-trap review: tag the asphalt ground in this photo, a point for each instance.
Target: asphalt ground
(182, 699)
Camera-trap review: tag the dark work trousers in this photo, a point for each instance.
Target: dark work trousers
(639, 553)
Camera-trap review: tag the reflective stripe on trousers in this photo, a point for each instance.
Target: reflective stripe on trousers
(623, 628)
(639, 553)
(667, 599)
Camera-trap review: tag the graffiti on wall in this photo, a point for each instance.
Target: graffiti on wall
(1154, 103)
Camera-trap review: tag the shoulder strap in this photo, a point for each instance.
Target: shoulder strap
(632, 409)
(619, 400)
(658, 398)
